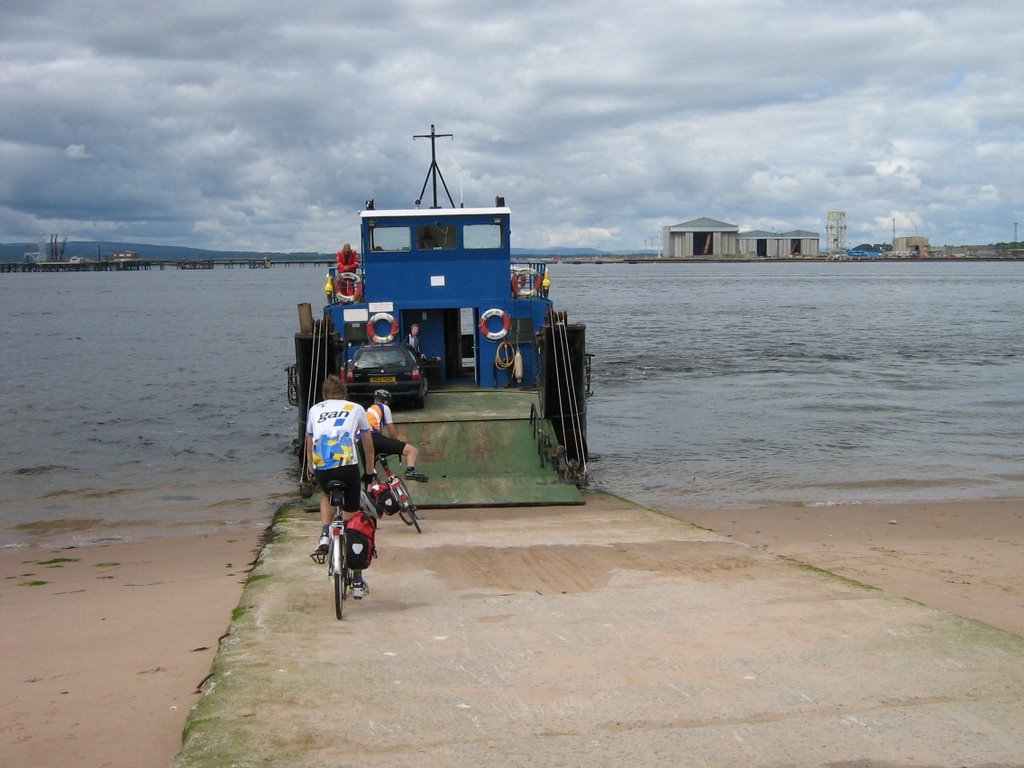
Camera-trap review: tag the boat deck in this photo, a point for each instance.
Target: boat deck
(480, 448)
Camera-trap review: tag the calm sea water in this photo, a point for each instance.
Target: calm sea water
(137, 403)
(807, 383)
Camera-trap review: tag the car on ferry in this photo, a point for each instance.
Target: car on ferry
(386, 366)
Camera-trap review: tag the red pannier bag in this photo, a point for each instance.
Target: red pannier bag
(359, 547)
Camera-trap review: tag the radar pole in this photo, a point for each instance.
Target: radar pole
(433, 172)
(836, 233)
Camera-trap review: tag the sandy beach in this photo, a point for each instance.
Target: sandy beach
(103, 647)
(965, 558)
(103, 660)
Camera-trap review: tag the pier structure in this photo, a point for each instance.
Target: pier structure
(524, 627)
(601, 634)
(135, 265)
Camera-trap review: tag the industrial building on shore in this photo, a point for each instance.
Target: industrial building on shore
(706, 238)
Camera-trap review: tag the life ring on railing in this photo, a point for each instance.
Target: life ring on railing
(348, 287)
(371, 328)
(523, 287)
(506, 324)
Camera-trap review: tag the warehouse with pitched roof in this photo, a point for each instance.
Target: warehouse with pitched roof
(700, 238)
(706, 238)
(797, 243)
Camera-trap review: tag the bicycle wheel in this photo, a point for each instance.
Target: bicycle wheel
(339, 572)
(339, 595)
(406, 509)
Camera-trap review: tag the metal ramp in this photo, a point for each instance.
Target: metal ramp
(480, 449)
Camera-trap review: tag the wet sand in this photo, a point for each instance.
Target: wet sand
(103, 660)
(965, 558)
(104, 647)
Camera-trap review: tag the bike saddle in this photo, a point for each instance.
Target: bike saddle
(336, 492)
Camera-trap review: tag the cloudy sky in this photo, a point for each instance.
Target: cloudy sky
(265, 124)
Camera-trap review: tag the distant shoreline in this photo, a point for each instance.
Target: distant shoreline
(235, 263)
(758, 260)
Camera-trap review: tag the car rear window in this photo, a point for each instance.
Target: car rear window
(377, 358)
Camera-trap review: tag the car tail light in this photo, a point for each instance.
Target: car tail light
(415, 373)
(349, 375)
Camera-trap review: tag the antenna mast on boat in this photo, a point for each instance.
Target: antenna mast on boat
(433, 172)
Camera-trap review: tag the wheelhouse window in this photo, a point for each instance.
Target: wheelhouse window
(481, 236)
(433, 237)
(390, 239)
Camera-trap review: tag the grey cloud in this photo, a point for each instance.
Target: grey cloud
(240, 124)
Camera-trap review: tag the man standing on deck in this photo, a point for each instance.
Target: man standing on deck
(332, 427)
(380, 418)
(348, 288)
(347, 259)
(412, 341)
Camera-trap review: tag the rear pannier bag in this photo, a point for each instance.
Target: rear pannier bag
(359, 548)
(383, 500)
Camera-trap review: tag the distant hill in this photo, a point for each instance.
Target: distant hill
(95, 251)
(561, 252)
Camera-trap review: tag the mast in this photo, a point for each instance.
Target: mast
(433, 172)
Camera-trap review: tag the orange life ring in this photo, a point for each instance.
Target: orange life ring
(348, 287)
(506, 324)
(522, 285)
(371, 328)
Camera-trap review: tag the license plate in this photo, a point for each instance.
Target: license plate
(383, 379)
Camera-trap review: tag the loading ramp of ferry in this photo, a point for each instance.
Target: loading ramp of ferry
(603, 635)
(484, 448)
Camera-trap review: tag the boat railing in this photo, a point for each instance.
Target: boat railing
(529, 280)
(346, 290)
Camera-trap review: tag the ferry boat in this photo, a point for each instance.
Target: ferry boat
(486, 321)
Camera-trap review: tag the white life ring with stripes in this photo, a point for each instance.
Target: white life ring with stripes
(371, 328)
(347, 287)
(524, 282)
(506, 324)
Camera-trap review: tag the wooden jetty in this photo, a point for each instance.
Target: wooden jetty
(131, 265)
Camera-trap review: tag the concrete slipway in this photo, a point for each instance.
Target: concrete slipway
(601, 634)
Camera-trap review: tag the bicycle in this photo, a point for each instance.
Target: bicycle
(338, 571)
(399, 494)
